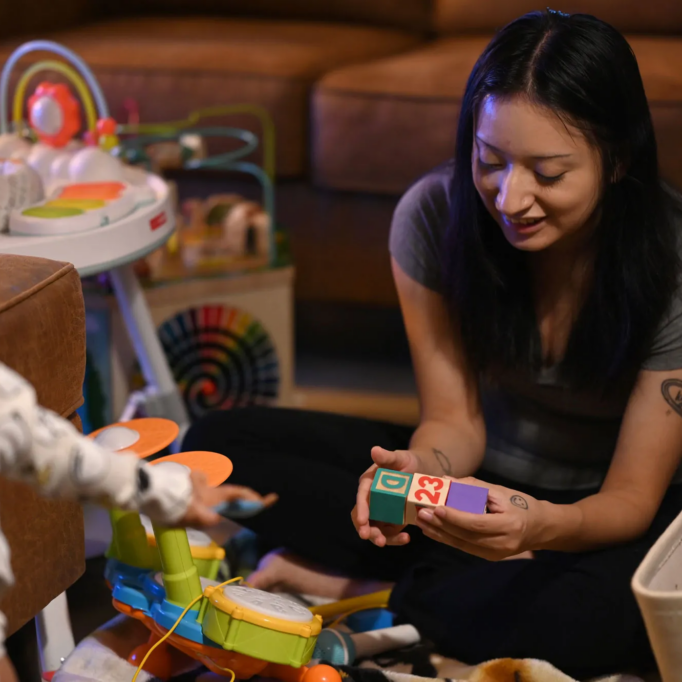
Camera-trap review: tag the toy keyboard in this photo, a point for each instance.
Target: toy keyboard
(78, 207)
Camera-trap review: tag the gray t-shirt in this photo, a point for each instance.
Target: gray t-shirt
(538, 431)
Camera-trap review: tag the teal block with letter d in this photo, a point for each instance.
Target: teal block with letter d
(388, 496)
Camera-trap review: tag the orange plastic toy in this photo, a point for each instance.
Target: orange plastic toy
(148, 435)
(214, 466)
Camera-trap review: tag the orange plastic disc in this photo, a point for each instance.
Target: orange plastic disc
(216, 467)
(154, 434)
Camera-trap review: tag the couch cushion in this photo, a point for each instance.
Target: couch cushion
(47, 548)
(42, 336)
(629, 16)
(42, 328)
(173, 66)
(413, 15)
(378, 126)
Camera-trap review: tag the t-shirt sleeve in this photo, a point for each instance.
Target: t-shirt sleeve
(666, 349)
(418, 228)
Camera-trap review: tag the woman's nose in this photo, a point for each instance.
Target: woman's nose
(514, 196)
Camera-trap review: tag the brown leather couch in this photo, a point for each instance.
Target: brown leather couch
(365, 95)
(42, 336)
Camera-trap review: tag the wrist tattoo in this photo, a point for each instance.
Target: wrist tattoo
(672, 392)
(443, 461)
(518, 501)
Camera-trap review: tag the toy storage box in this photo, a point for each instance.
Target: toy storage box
(266, 296)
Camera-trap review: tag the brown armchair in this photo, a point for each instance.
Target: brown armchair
(42, 336)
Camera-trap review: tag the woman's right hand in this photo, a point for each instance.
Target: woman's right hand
(382, 534)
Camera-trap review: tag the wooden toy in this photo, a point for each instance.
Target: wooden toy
(467, 498)
(425, 492)
(388, 496)
(224, 233)
(397, 497)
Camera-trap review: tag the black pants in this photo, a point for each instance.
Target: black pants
(576, 611)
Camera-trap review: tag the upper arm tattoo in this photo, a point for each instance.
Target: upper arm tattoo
(672, 392)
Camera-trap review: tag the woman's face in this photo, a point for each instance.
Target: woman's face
(539, 178)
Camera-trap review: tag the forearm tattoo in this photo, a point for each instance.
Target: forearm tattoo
(672, 392)
(518, 501)
(443, 461)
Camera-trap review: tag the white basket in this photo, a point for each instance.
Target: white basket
(657, 585)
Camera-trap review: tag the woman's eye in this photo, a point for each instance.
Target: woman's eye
(491, 165)
(549, 178)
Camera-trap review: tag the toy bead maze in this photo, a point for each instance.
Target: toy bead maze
(221, 357)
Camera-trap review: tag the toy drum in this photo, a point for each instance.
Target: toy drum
(259, 624)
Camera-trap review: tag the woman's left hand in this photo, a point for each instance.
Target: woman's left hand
(201, 511)
(511, 527)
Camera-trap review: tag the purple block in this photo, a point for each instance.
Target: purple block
(467, 498)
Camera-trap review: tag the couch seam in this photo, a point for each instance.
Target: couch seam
(302, 80)
(24, 295)
(73, 409)
(376, 95)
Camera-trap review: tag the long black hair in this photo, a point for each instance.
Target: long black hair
(584, 70)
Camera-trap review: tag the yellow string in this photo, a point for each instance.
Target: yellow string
(175, 625)
(225, 670)
(67, 71)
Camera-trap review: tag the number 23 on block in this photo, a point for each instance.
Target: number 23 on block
(425, 491)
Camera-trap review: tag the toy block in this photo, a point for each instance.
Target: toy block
(467, 498)
(388, 495)
(425, 491)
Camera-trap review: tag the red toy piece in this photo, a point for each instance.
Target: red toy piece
(54, 114)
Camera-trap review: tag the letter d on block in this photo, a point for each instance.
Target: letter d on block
(388, 496)
(391, 482)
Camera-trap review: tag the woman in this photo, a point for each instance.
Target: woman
(538, 279)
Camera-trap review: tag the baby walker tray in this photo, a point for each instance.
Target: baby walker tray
(94, 225)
